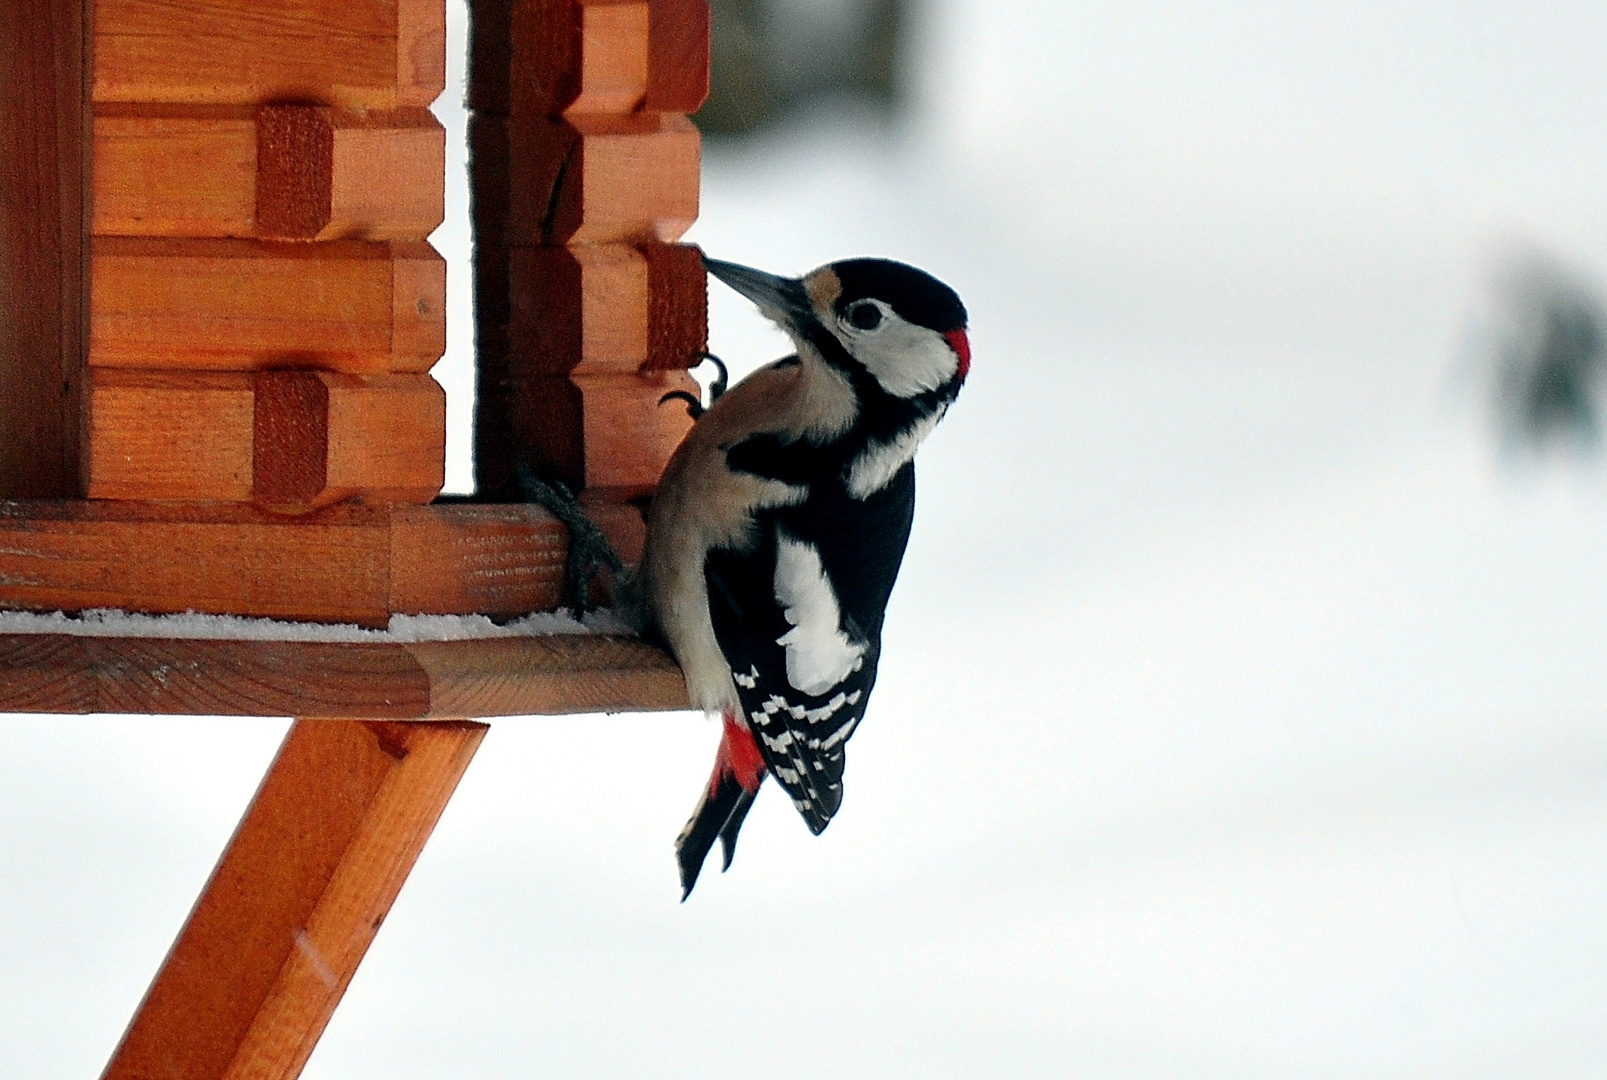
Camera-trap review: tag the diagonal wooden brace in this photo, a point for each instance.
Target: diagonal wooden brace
(297, 897)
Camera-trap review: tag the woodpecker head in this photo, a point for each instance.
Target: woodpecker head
(900, 325)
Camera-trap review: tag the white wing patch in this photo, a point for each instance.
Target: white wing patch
(819, 654)
(879, 462)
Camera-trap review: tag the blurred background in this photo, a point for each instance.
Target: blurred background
(1243, 710)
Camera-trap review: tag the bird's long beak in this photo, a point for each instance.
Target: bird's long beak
(783, 300)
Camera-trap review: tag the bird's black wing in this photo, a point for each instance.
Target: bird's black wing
(803, 643)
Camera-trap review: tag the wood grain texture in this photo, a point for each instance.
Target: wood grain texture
(596, 308)
(543, 57)
(321, 437)
(333, 566)
(292, 441)
(613, 58)
(360, 54)
(289, 440)
(678, 43)
(578, 308)
(606, 432)
(598, 179)
(169, 435)
(175, 170)
(353, 306)
(296, 172)
(348, 563)
(565, 673)
(498, 558)
(43, 180)
(291, 908)
(677, 306)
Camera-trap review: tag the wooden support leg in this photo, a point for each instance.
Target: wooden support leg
(300, 891)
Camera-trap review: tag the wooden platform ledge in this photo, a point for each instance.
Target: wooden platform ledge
(561, 673)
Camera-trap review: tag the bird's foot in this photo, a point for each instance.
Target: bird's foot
(695, 407)
(589, 550)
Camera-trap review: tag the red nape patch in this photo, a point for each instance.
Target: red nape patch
(740, 753)
(962, 348)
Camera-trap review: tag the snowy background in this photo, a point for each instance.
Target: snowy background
(1243, 712)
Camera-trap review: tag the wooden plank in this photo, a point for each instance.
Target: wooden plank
(600, 308)
(360, 54)
(328, 174)
(296, 172)
(294, 903)
(353, 306)
(613, 58)
(678, 45)
(599, 179)
(677, 306)
(602, 431)
(43, 117)
(175, 171)
(543, 57)
(578, 308)
(169, 435)
(320, 437)
(70, 555)
(387, 437)
(516, 676)
(563, 673)
(289, 440)
(389, 175)
(499, 558)
(347, 563)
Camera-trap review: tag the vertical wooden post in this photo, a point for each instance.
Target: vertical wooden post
(583, 173)
(43, 120)
(296, 899)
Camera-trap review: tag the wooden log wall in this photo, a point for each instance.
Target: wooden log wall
(43, 118)
(584, 173)
(264, 308)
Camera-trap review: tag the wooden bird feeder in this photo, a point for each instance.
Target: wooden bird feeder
(218, 314)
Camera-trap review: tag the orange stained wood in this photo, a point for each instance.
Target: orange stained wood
(593, 179)
(354, 306)
(348, 563)
(613, 58)
(186, 170)
(606, 307)
(538, 58)
(169, 435)
(320, 437)
(42, 199)
(360, 54)
(604, 432)
(299, 894)
(678, 43)
(512, 676)
(292, 440)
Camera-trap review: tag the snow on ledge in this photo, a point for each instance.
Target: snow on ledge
(112, 623)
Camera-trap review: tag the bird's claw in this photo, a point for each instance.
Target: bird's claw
(589, 549)
(694, 406)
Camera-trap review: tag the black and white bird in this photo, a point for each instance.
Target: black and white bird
(779, 525)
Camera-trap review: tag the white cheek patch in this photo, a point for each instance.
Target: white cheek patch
(819, 654)
(879, 462)
(905, 359)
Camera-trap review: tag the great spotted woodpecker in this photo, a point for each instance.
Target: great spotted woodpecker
(780, 523)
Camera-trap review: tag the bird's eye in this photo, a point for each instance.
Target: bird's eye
(865, 315)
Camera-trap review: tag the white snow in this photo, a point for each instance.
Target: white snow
(111, 623)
